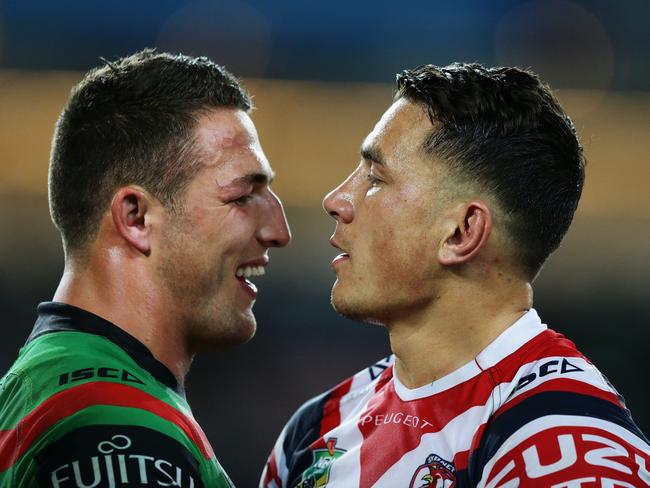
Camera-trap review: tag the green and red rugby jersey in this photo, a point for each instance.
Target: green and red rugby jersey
(87, 405)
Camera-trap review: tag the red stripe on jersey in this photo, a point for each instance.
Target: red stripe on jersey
(272, 471)
(562, 384)
(384, 378)
(573, 456)
(462, 458)
(331, 409)
(392, 427)
(546, 344)
(72, 400)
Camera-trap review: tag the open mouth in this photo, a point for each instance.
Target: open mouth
(243, 274)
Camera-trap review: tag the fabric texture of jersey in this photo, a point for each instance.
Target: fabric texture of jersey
(87, 405)
(529, 411)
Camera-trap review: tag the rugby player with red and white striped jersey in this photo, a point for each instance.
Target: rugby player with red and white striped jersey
(465, 186)
(529, 410)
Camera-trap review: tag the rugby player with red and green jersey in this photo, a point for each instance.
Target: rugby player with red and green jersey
(88, 405)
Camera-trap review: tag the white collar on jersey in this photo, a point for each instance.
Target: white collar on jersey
(511, 339)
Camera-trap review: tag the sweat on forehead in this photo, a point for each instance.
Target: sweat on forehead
(404, 121)
(222, 136)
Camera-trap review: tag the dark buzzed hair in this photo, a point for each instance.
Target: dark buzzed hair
(131, 122)
(504, 132)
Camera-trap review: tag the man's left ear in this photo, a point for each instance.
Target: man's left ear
(473, 227)
(130, 213)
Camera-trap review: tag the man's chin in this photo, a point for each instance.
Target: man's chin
(237, 331)
(354, 309)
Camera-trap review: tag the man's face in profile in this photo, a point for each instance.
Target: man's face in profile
(215, 245)
(390, 216)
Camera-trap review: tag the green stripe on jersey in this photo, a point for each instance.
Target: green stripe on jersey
(58, 362)
(212, 474)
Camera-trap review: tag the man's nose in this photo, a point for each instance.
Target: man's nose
(338, 203)
(275, 231)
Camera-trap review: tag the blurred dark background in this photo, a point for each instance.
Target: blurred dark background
(321, 73)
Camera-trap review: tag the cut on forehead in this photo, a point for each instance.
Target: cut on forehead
(221, 131)
(226, 126)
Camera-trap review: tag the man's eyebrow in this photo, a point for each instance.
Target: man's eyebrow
(252, 179)
(373, 154)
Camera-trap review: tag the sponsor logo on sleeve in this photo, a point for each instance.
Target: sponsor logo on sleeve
(116, 456)
(102, 372)
(379, 367)
(570, 457)
(554, 367)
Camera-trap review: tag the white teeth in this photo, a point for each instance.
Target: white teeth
(248, 271)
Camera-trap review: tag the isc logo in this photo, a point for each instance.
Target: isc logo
(573, 460)
(88, 373)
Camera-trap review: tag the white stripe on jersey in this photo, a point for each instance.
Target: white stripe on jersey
(280, 463)
(522, 331)
(348, 434)
(280, 459)
(362, 384)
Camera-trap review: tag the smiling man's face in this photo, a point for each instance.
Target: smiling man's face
(219, 239)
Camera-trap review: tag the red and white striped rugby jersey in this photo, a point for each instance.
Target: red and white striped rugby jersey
(529, 411)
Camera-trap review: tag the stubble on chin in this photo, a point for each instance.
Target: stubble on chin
(354, 308)
(222, 331)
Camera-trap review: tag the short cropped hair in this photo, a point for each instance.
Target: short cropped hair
(131, 122)
(501, 130)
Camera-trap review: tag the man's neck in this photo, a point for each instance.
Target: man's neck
(119, 299)
(454, 330)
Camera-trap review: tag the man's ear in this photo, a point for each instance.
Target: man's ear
(129, 212)
(473, 227)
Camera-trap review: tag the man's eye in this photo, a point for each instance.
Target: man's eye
(241, 201)
(373, 179)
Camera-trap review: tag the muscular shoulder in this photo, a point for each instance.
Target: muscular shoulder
(560, 421)
(63, 359)
(325, 411)
(67, 403)
(549, 363)
(565, 450)
(291, 454)
(101, 453)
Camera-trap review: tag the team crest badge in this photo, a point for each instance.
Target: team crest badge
(436, 472)
(318, 474)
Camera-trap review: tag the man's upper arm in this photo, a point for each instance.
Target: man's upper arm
(564, 440)
(95, 435)
(109, 455)
(291, 455)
